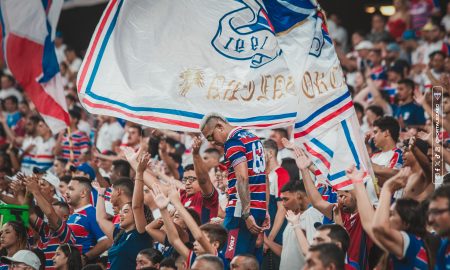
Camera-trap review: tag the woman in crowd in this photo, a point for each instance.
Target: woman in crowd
(130, 237)
(13, 238)
(400, 20)
(67, 257)
(147, 258)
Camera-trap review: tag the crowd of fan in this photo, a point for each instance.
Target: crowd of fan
(111, 194)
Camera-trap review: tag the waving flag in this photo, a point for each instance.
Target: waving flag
(167, 63)
(326, 124)
(28, 33)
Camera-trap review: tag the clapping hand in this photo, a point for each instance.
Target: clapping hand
(287, 144)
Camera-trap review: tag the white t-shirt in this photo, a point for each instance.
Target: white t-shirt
(284, 153)
(307, 220)
(108, 134)
(291, 253)
(28, 161)
(425, 49)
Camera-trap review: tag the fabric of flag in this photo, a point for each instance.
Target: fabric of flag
(28, 31)
(165, 64)
(326, 125)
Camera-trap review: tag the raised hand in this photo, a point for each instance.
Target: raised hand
(197, 143)
(143, 163)
(419, 97)
(399, 180)
(425, 137)
(287, 144)
(160, 199)
(292, 218)
(354, 174)
(301, 159)
(32, 184)
(174, 196)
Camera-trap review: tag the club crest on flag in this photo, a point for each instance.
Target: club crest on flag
(246, 34)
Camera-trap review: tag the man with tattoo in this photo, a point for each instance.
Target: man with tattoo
(244, 159)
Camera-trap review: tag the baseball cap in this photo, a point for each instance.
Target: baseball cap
(428, 26)
(53, 180)
(409, 35)
(393, 47)
(365, 44)
(23, 256)
(87, 169)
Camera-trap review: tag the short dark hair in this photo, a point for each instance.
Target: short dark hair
(66, 178)
(329, 254)
(122, 167)
(293, 186)
(442, 192)
(408, 82)
(338, 234)
(250, 263)
(34, 118)
(92, 266)
(189, 167)
(177, 158)
(194, 215)
(283, 132)
(388, 123)
(168, 262)
(215, 232)
(75, 114)
(13, 99)
(125, 184)
(358, 107)
(154, 255)
(290, 166)
(377, 110)
(136, 126)
(83, 181)
(271, 145)
(213, 151)
(441, 53)
(214, 260)
(63, 205)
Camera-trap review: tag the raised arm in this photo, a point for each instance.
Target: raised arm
(190, 222)
(365, 208)
(304, 162)
(174, 238)
(154, 230)
(201, 171)
(389, 238)
(294, 221)
(33, 186)
(102, 218)
(138, 194)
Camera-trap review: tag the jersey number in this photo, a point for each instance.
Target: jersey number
(259, 165)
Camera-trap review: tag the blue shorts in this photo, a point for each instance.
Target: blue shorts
(240, 239)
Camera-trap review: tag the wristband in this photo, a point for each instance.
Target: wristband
(142, 180)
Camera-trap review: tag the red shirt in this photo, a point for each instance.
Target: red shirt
(207, 206)
(360, 243)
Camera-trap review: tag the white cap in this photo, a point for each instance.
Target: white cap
(365, 44)
(23, 256)
(53, 180)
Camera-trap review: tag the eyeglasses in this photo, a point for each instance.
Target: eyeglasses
(437, 212)
(189, 178)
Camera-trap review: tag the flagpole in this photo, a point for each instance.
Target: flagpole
(69, 130)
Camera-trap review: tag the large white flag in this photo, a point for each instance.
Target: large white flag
(326, 124)
(165, 64)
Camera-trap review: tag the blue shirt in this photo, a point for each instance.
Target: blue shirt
(85, 228)
(443, 257)
(123, 253)
(415, 257)
(13, 118)
(411, 113)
